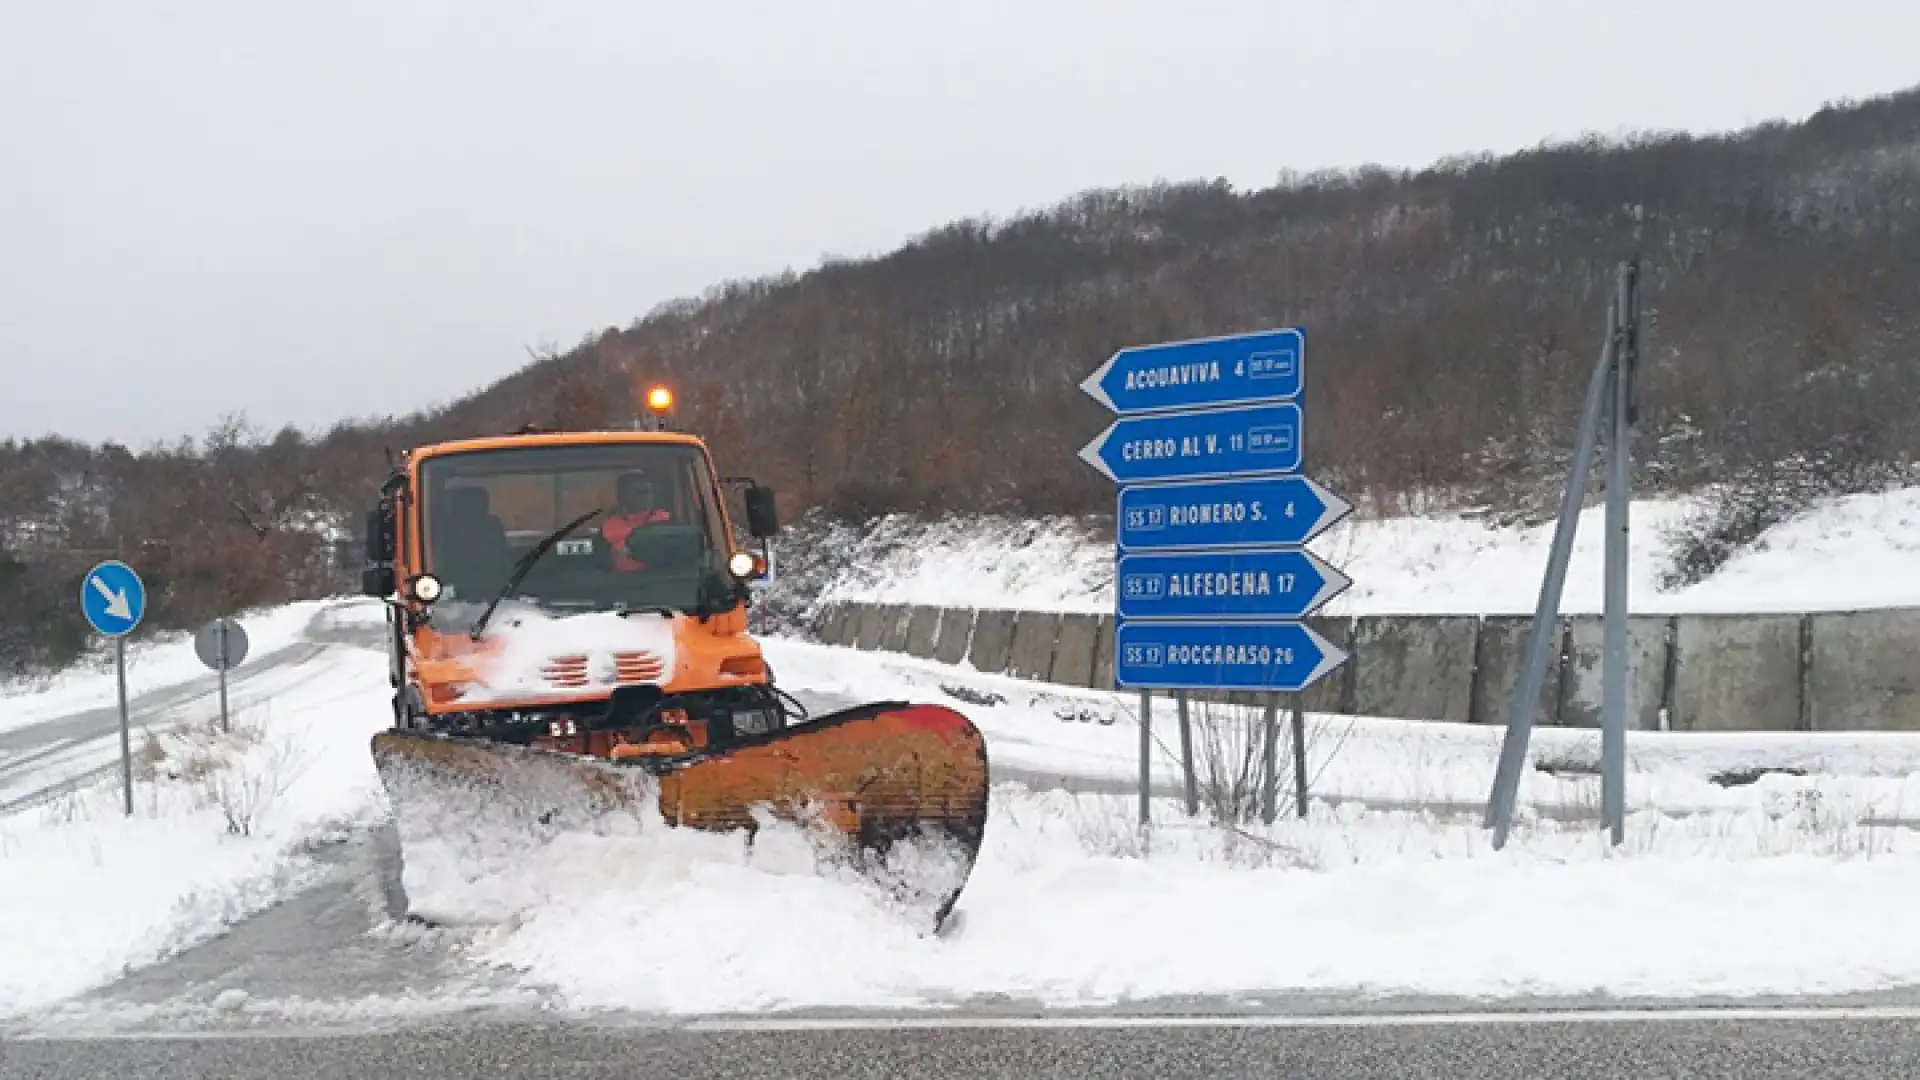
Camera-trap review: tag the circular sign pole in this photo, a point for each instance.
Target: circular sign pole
(113, 599)
(225, 725)
(221, 644)
(126, 733)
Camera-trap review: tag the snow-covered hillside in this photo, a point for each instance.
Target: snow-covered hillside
(1860, 551)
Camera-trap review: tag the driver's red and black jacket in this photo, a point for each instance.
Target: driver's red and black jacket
(616, 529)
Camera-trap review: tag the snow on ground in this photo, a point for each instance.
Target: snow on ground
(986, 562)
(162, 661)
(1425, 565)
(1780, 884)
(86, 892)
(1069, 907)
(1072, 734)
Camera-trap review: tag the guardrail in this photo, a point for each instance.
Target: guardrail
(1824, 671)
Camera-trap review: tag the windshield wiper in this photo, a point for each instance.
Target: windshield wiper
(646, 609)
(525, 564)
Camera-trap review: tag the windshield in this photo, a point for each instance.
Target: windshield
(650, 546)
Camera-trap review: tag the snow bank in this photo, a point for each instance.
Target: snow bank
(1446, 564)
(1069, 735)
(86, 893)
(1068, 908)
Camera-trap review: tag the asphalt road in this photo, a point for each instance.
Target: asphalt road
(1752, 1048)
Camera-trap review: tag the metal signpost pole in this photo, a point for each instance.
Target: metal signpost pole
(126, 727)
(113, 600)
(1270, 764)
(1613, 731)
(1186, 753)
(1211, 579)
(1609, 395)
(1146, 757)
(225, 726)
(221, 645)
(1299, 757)
(1526, 696)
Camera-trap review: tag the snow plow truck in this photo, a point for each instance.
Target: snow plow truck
(568, 645)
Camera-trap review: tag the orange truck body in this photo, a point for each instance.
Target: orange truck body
(691, 725)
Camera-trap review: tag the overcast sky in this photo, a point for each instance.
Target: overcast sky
(316, 211)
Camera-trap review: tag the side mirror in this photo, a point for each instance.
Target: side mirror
(379, 539)
(377, 581)
(763, 515)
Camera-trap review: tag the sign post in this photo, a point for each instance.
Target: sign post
(221, 644)
(1610, 403)
(1211, 578)
(113, 600)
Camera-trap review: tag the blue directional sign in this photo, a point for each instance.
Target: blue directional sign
(113, 599)
(1215, 585)
(1224, 514)
(1238, 370)
(1280, 656)
(1197, 445)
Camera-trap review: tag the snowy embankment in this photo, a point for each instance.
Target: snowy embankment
(1069, 906)
(223, 824)
(1860, 551)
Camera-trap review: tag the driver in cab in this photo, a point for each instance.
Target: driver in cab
(634, 508)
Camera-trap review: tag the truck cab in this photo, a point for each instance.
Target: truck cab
(573, 588)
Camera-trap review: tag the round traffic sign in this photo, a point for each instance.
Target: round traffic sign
(221, 644)
(112, 598)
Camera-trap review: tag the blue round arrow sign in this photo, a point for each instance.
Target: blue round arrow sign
(113, 599)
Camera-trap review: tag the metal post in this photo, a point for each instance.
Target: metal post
(1270, 752)
(126, 734)
(1613, 674)
(224, 654)
(1146, 756)
(1299, 758)
(1513, 752)
(1186, 753)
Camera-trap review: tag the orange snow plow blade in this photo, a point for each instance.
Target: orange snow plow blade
(897, 791)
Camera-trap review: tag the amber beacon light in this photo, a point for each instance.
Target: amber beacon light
(660, 399)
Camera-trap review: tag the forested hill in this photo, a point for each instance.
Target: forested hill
(1453, 314)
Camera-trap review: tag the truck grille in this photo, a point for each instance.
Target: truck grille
(578, 671)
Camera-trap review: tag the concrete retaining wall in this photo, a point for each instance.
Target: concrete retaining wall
(1737, 673)
(1034, 635)
(1837, 671)
(1500, 651)
(1580, 704)
(955, 634)
(1861, 674)
(1408, 667)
